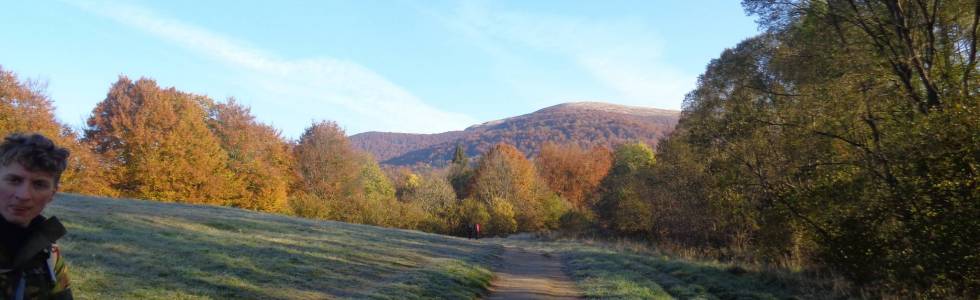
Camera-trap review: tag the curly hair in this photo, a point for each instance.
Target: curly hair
(35, 152)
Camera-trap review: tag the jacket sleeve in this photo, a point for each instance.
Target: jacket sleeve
(62, 284)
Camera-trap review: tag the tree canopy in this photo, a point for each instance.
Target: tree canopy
(157, 144)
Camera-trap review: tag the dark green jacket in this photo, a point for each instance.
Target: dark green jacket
(36, 270)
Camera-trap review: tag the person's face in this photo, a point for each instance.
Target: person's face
(24, 194)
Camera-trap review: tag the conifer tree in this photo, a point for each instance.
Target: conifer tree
(460, 174)
(459, 155)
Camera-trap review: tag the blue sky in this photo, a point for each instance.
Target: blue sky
(402, 66)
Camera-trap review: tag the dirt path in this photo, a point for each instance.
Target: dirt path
(530, 275)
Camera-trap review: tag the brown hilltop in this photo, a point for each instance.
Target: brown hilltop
(584, 123)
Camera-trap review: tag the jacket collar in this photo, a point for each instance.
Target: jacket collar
(42, 234)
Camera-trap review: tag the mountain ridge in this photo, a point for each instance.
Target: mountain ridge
(584, 123)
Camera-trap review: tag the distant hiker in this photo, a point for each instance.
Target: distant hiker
(477, 233)
(31, 266)
(470, 231)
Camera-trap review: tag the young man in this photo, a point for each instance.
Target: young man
(31, 266)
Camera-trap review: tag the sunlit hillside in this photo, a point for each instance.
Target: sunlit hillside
(132, 249)
(581, 123)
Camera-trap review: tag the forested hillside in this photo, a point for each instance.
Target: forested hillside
(586, 124)
(388, 145)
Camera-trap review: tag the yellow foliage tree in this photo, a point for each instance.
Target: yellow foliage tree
(257, 154)
(502, 218)
(504, 173)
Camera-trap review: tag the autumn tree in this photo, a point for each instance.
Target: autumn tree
(340, 183)
(327, 166)
(25, 108)
(504, 174)
(903, 123)
(158, 145)
(844, 137)
(258, 155)
(574, 173)
(376, 194)
(503, 218)
(432, 193)
(472, 211)
(624, 205)
(405, 181)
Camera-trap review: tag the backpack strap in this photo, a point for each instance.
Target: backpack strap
(21, 287)
(50, 263)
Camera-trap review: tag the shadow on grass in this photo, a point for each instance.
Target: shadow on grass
(607, 274)
(142, 249)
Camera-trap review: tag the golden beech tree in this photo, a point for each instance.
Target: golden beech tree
(158, 145)
(257, 154)
(24, 108)
(504, 174)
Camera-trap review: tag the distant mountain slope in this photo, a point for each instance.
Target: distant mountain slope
(387, 145)
(585, 123)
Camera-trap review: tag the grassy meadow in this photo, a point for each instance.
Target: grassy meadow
(132, 249)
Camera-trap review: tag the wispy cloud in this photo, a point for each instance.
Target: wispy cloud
(315, 84)
(623, 55)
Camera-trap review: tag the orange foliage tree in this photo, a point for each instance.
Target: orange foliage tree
(574, 173)
(158, 145)
(24, 108)
(326, 166)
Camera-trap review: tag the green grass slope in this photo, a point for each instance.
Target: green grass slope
(131, 249)
(604, 270)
